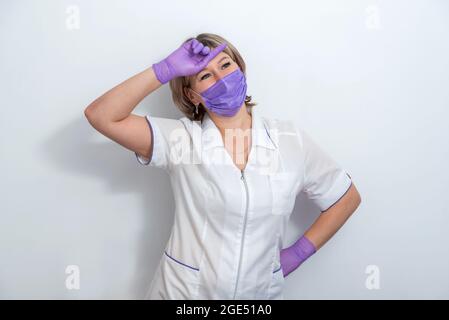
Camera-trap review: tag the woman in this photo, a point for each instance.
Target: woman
(233, 203)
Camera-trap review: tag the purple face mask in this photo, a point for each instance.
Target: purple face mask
(226, 96)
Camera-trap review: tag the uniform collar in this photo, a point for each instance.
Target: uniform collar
(260, 135)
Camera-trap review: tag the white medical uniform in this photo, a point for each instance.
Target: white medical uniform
(229, 224)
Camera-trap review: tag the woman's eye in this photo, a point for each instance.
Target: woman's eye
(227, 64)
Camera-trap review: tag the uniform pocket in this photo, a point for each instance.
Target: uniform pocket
(283, 186)
(182, 279)
(276, 290)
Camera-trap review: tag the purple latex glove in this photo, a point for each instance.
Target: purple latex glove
(293, 256)
(189, 59)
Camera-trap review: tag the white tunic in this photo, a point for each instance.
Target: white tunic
(229, 224)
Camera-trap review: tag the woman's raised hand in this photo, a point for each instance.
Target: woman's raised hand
(189, 59)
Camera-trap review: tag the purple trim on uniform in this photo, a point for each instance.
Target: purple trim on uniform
(180, 262)
(277, 269)
(152, 142)
(268, 134)
(341, 195)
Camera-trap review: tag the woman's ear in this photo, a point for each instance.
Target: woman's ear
(190, 94)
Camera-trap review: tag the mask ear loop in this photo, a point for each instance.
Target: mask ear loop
(195, 112)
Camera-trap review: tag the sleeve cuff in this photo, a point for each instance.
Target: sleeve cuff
(141, 159)
(340, 188)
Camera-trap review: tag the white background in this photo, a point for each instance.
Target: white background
(369, 80)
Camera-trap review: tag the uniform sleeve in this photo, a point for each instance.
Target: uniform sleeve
(325, 181)
(166, 135)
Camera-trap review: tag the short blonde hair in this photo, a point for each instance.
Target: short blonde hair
(179, 84)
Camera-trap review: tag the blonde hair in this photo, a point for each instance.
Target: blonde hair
(179, 84)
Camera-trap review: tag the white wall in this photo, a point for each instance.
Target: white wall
(368, 79)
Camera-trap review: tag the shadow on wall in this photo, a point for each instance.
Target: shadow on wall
(74, 149)
(304, 214)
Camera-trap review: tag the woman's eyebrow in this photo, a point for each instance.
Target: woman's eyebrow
(205, 69)
(222, 59)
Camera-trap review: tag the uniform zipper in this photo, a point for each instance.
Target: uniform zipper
(244, 229)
